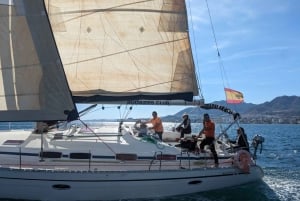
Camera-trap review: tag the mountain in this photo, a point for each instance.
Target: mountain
(283, 109)
(280, 106)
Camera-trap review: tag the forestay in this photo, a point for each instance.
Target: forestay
(124, 50)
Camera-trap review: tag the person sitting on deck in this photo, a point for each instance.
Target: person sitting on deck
(141, 128)
(185, 126)
(241, 141)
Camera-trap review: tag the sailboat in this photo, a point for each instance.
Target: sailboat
(57, 53)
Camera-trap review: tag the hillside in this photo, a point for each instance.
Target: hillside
(283, 109)
(281, 106)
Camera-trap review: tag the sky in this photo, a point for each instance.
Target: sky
(259, 50)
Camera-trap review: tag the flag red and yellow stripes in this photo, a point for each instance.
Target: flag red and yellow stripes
(233, 96)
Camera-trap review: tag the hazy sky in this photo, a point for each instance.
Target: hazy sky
(259, 44)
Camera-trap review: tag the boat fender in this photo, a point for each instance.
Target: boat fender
(242, 160)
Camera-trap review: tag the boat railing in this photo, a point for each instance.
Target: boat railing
(160, 157)
(181, 156)
(154, 159)
(86, 157)
(20, 158)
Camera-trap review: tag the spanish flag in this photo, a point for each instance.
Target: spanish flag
(233, 96)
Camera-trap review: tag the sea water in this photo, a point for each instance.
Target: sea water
(280, 160)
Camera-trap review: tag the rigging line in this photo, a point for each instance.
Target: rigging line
(221, 65)
(89, 112)
(92, 131)
(120, 113)
(124, 112)
(223, 74)
(128, 112)
(95, 110)
(198, 76)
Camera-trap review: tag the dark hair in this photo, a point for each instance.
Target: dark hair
(206, 115)
(154, 112)
(241, 129)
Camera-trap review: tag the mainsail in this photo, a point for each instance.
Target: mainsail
(120, 50)
(33, 85)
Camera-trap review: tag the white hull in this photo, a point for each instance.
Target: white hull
(68, 185)
(120, 166)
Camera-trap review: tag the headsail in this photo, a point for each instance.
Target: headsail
(33, 85)
(124, 49)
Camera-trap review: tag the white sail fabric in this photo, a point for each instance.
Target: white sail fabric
(33, 86)
(124, 49)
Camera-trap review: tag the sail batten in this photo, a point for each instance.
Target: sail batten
(124, 48)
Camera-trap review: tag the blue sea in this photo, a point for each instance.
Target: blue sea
(280, 160)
